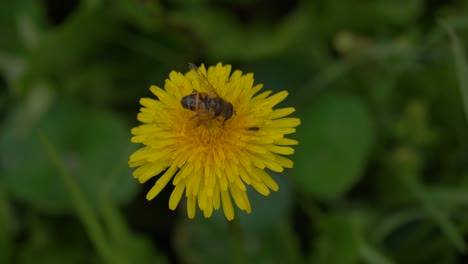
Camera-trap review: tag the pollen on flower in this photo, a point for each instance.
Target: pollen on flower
(213, 135)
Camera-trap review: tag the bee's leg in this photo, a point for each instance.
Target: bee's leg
(195, 115)
(224, 120)
(201, 110)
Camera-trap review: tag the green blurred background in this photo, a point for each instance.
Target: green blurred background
(381, 172)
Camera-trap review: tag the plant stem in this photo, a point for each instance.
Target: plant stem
(6, 246)
(237, 241)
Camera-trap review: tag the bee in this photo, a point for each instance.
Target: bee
(253, 128)
(206, 105)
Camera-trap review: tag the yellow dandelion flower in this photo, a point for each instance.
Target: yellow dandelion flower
(212, 154)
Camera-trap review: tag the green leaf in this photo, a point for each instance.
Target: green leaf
(334, 142)
(438, 215)
(338, 240)
(398, 12)
(204, 240)
(264, 216)
(371, 16)
(137, 248)
(18, 21)
(211, 25)
(139, 14)
(50, 57)
(128, 246)
(93, 145)
(53, 241)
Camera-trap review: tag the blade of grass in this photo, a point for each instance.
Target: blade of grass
(390, 223)
(370, 254)
(440, 218)
(460, 64)
(321, 81)
(83, 209)
(114, 222)
(455, 196)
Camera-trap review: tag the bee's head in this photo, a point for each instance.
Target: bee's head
(229, 111)
(189, 102)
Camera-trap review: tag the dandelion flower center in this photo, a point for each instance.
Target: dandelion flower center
(213, 135)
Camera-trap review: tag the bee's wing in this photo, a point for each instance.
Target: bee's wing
(202, 79)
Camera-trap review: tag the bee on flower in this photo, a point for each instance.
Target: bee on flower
(206, 104)
(213, 135)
